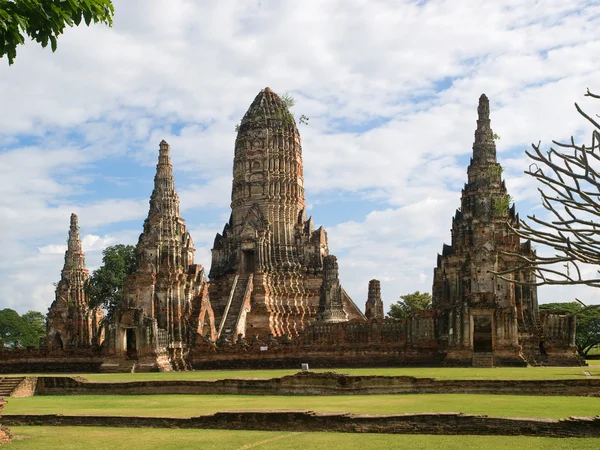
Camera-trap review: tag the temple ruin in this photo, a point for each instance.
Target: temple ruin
(71, 322)
(267, 268)
(274, 297)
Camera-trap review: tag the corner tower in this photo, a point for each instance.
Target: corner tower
(70, 320)
(482, 317)
(267, 264)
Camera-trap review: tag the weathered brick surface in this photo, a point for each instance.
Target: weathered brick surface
(50, 364)
(321, 384)
(437, 423)
(5, 435)
(26, 388)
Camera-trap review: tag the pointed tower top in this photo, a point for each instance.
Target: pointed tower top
(484, 147)
(164, 199)
(74, 257)
(267, 108)
(483, 110)
(74, 231)
(164, 153)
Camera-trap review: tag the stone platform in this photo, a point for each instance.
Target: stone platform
(314, 383)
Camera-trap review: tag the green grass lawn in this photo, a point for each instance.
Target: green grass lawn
(441, 373)
(70, 438)
(195, 405)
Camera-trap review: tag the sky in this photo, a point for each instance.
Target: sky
(390, 89)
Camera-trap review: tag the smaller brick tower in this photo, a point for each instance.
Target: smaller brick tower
(166, 298)
(70, 320)
(331, 308)
(374, 305)
(482, 316)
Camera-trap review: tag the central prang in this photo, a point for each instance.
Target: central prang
(267, 265)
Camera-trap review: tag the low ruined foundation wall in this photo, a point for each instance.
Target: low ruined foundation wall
(320, 384)
(317, 360)
(436, 423)
(50, 365)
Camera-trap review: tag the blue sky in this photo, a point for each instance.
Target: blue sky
(391, 89)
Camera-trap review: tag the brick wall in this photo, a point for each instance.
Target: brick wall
(311, 383)
(434, 423)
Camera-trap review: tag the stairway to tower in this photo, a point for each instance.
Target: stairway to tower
(234, 307)
(8, 385)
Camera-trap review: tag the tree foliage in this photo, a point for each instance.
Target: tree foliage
(44, 20)
(21, 331)
(570, 192)
(105, 287)
(408, 304)
(587, 320)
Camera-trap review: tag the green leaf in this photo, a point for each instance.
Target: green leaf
(87, 15)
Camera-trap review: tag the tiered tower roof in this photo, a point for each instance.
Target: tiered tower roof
(74, 256)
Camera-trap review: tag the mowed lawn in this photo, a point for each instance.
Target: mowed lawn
(195, 405)
(441, 373)
(70, 438)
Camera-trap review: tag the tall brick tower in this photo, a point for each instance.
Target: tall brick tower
(165, 299)
(482, 316)
(267, 265)
(70, 320)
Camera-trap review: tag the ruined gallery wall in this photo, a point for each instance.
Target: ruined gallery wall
(378, 343)
(315, 383)
(429, 423)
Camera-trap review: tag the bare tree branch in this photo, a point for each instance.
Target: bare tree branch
(570, 191)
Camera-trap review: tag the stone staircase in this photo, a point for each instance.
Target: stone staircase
(8, 385)
(115, 366)
(481, 359)
(229, 321)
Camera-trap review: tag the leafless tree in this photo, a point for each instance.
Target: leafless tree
(571, 193)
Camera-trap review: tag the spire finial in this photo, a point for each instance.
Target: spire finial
(484, 147)
(483, 110)
(74, 220)
(164, 199)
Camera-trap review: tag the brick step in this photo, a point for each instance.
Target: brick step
(483, 360)
(8, 385)
(121, 367)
